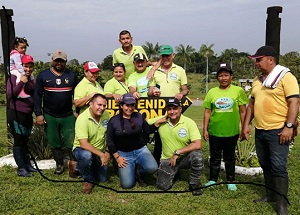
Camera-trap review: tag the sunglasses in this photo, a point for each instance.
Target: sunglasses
(119, 64)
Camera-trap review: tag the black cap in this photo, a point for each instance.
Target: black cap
(224, 66)
(173, 102)
(139, 56)
(264, 51)
(128, 99)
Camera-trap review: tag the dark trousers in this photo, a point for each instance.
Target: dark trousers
(217, 145)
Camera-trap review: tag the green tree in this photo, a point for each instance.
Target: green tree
(184, 54)
(107, 63)
(152, 51)
(73, 62)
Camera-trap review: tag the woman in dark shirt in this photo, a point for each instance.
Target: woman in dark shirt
(126, 138)
(19, 116)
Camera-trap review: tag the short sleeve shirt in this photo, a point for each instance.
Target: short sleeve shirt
(87, 127)
(114, 86)
(224, 120)
(140, 82)
(178, 136)
(171, 82)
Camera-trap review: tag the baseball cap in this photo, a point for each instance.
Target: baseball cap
(173, 102)
(128, 99)
(59, 54)
(139, 56)
(91, 66)
(27, 59)
(264, 51)
(165, 50)
(224, 66)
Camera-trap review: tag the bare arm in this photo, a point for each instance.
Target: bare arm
(242, 110)
(207, 113)
(247, 120)
(184, 92)
(104, 157)
(83, 101)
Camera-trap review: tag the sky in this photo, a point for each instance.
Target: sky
(89, 30)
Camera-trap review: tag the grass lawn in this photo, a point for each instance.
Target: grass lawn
(62, 195)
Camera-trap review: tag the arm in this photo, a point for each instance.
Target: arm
(242, 110)
(104, 157)
(184, 92)
(18, 63)
(153, 69)
(195, 145)
(207, 113)
(247, 120)
(287, 134)
(83, 101)
(12, 88)
(38, 97)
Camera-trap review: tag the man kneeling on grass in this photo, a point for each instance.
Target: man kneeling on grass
(89, 145)
(181, 148)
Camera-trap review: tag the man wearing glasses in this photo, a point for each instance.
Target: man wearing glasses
(53, 101)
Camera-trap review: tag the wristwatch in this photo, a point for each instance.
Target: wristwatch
(176, 153)
(289, 125)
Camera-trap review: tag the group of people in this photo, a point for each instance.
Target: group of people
(94, 137)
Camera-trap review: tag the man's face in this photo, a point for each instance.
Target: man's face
(98, 106)
(59, 64)
(167, 60)
(125, 40)
(264, 64)
(140, 65)
(174, 112)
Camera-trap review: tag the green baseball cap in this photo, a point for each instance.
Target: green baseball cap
(165, 50)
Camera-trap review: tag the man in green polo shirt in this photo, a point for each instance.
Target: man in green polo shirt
(181, 148)
(89, 144)
(126, 52)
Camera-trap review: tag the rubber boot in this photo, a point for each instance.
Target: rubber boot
(58, 156)
(28, 165)
(282, 186)
(269, 182)
(19, 157)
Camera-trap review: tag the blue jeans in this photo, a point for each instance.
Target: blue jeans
(89, 166)
(271, 154)
(141, 157)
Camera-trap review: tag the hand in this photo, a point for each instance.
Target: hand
(205, 135)
(117, 97)
(286, 135)
(24, 79)
(156, 93)
(136, 95)
(122, 162)
(104, 158)
(40, 120)
(245, 134)
(161, 120)
(178, 96)
(150, 74)
(173, 160)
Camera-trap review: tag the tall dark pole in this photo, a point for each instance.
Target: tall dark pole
(273, 27)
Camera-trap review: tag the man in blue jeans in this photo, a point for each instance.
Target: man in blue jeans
(274, 105)
(89, 145)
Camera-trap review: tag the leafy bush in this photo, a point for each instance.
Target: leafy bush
(245, 154)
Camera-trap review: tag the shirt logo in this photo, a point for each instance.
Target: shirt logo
(173, 76)
(58, 81)
(182, 133)
(66, 80)
(104, 123)
(47, 81)
(224, 103)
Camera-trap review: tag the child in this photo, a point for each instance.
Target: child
(16, 68)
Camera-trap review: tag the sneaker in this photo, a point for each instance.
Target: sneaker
(231, 187)
(87, 187)
(210, 183)
(73, 173)
(195, 189)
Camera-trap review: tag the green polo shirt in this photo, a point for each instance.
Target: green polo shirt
(114, 86)
(171, 82)
(140, 82)
(85, 88)
(87, 127)
(119, 56)
(178, 136)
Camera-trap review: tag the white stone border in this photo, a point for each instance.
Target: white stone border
(245, 170)
(42, 164)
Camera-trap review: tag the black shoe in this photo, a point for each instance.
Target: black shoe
(195, 189)
(140, 181)
(59, 170)
(24, 173)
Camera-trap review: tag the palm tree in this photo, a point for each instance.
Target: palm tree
(184, 54)
(206, 50)
(151, 50)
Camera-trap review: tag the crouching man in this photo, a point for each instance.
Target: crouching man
(89, 145)
(181, 148)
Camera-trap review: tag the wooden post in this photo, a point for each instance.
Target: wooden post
(273, 26)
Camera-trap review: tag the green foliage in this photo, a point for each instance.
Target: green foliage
(245, 154)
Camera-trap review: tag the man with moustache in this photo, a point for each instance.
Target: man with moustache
(90, 148)
(53, 100)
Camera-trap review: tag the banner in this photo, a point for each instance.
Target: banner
(150, 107)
